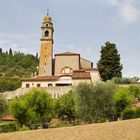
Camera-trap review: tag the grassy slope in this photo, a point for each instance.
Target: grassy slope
(123, 130)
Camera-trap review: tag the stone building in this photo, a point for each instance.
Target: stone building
(64, 69)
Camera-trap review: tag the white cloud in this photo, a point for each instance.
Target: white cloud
(23, 43)
(127, 11)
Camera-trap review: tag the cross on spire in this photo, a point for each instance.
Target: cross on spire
(47, 12)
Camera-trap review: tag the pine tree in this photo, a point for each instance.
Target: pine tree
(109, 64)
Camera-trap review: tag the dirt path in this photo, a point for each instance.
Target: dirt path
(123, 130)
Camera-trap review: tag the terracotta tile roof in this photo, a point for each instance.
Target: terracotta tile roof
(81, 75)
(44, 78)
(90, 69)
(8, 118)
(67, 53)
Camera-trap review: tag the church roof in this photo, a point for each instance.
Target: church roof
(44, 78)
(67, 53)
(8, 118)
(90, 69)
(81, 75)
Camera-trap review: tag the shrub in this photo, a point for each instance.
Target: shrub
(119, 80)
(135, 91)
(122, 100)
(138, 113)
(128, 114)
(131, 113)
(9, 127)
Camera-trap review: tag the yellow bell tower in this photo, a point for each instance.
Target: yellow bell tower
(46, 51)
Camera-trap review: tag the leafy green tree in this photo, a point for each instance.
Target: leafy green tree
(3, 105)
(109, 64)
(135, 91)
(41, 103)
(123, 99)
(18, 109)
(94, 102)
(36, 107)
(65, 106)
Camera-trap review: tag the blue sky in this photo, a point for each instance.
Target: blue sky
(80, 26)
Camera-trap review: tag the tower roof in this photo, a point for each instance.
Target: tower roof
(47, 19)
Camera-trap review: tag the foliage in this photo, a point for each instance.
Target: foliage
(135, 79)
(109, 64)
(9, 127)
(122, 100)
(13, 67)
(3, 105)
(34, 108)
(128, 114)
(65, 106)
(135, 91)
(119, 80)
(94, 103)
(131, 113)
(40, 104)
(18, 109)
(9, 84)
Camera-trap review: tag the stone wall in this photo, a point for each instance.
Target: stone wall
(54, 91)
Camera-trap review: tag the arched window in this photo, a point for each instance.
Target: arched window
(46, 33)
(66, 70)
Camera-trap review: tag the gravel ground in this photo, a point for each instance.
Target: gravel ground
(122, 130)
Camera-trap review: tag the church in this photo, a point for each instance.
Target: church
(62, 69)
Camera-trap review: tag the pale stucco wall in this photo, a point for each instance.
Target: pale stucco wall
(85, 63)
(34, 83)
(71, 61)
(95, 76)
(54, 91)
(77, 81)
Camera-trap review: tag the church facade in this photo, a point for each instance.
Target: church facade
(64, 69)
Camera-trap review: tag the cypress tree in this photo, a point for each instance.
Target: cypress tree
(0, 50)
(109, 64)
(10, 52)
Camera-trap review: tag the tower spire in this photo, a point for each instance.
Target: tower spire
(47, 12)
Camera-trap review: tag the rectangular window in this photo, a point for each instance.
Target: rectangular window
(38, 85)
(27, 85)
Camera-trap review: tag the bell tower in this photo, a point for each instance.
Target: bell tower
(46, 50)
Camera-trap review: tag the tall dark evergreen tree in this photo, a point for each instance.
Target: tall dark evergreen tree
(0, 50)
(109, 64)
(36, 55)
(10, 52)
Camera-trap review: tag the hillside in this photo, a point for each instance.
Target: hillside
(14, 67)
(123, 130)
